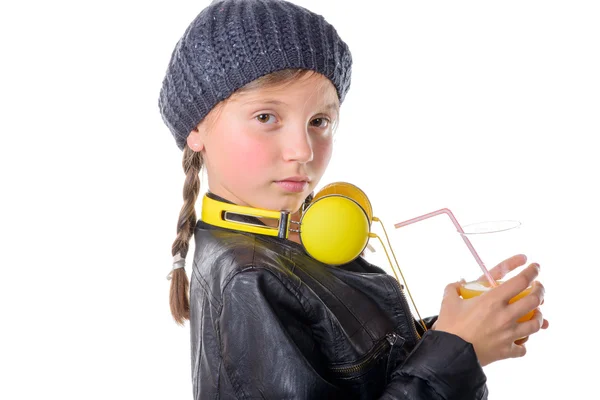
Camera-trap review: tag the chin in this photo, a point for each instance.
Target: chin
(291, 208)
(291, 205)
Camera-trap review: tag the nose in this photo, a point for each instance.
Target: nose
(297, 145)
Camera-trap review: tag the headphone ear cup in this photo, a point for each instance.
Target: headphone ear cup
(334, 229)
(347, 190)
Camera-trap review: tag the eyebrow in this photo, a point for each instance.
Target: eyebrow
(332, 106)
(329, 106)
(263, 101)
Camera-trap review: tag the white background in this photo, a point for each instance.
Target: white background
(488, 108)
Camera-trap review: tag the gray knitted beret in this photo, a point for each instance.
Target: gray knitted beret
(233, 42)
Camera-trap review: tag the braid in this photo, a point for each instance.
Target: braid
(179, 298)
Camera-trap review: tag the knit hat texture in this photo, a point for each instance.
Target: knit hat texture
(233, 42)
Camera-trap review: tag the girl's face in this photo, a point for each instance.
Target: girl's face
(269, 147)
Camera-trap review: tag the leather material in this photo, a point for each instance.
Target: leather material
(269, 322)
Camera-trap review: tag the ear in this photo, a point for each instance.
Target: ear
(195, 140)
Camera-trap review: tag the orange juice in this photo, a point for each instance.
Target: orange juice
(475, 288)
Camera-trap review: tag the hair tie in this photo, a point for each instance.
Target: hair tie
(178, 262)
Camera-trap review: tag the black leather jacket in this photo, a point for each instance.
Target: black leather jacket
(269, 322)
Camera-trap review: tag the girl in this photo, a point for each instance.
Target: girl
(252, 93)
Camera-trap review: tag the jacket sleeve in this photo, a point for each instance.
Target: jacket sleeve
(264, 340)
(441, 366)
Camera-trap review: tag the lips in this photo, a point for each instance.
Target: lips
(294, 184)
(296, 179)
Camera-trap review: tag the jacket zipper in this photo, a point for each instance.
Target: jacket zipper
(390, 339)
(411, 320)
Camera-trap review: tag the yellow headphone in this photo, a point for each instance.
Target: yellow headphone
(335, 227)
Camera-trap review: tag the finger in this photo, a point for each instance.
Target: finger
(506, 266)
(529, 302)
(530, 327)
(518, 283)
(545, 324)
(452, 291)
(517, 350)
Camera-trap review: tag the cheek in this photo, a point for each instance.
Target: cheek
(322, 151)
(244, 156)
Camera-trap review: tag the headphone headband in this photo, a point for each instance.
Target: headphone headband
(334, 228)
(215, 212)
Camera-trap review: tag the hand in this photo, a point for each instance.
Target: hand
(488, 321)
(500, 271)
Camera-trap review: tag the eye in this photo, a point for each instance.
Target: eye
(266, 118)
(320, 122)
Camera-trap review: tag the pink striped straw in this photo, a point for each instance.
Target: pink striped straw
(462, 234)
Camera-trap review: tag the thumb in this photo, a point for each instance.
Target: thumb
(452, 291)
